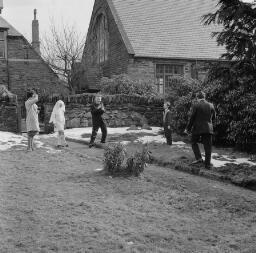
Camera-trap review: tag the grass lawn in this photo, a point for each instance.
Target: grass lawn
(62, 202)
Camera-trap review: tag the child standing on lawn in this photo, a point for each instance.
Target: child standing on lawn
(167, 123)
(97, 110)
(32, 122)
(58, 119)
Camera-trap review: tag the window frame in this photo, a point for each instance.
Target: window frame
(162, 76)
(4, 40)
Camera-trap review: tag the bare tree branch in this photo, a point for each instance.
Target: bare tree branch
(62, 47)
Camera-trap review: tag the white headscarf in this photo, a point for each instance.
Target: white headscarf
(57, 115)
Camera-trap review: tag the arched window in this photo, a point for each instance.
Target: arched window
(101, 34)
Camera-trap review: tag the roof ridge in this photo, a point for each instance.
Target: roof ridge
(12, 31)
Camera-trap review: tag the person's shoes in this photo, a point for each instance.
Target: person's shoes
(66, 145)
(103, 142)
(197, 161)
(91, 145)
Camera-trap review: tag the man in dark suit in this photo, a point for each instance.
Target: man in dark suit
(200, 123)
(97, 110)
(167, 123)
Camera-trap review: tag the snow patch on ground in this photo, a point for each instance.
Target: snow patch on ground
(77, 132)
(221, 160)
(157, 139)
(9, 140)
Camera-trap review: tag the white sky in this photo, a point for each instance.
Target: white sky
(19, 13)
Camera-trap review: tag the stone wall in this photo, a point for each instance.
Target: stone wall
(9, 116)
(121, 110)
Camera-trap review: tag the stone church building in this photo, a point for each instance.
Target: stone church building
(148, 39)
(21, 66)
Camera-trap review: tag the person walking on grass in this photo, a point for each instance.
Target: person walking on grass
(32, 122)
(167, 123)
(97, 111)
(58, 119)
(200, 122)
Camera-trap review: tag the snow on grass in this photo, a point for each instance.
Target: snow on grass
(221, 160)
(8, 140)
(158, 139)
(218, 160)
(78, 132)
(49, 149)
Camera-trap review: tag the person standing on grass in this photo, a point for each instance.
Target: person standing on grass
(167, 123)
(32, 122)
(97, 110)
(203, 113)
(58, 119)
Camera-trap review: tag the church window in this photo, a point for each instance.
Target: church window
(101, 35)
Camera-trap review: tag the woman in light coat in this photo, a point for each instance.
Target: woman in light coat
(58, 119)
(32, 122)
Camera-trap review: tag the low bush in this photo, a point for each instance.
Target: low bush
(114, 161)
(136, 163)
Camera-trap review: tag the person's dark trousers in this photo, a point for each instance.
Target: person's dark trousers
(95, 129)
(168, 135)
(206, 139)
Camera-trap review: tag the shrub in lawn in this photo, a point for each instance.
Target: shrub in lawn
(115, 155)
(113, 159)
(136, 163)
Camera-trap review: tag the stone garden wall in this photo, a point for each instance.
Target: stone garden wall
(121, 110)
(9, 115)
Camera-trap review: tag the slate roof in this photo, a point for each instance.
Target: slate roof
(166, 28)
(11, 30)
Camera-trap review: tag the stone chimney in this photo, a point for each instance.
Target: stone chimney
(35, 34)
(1, 6)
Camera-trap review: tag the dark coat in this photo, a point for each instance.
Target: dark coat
(200, 121)
(97, 113)
(167, 120)
(167, 123)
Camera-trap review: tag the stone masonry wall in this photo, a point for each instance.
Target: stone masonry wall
(9, 116)
(121, 110)
(118, 56)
